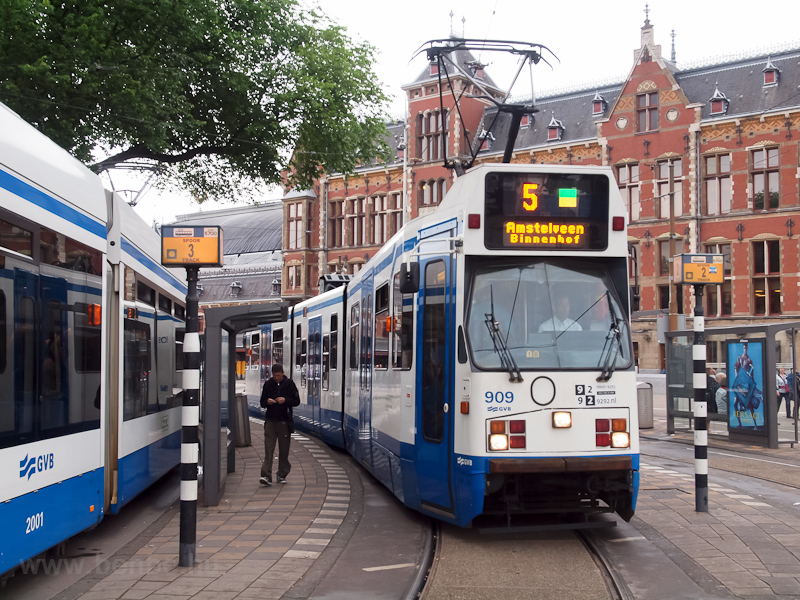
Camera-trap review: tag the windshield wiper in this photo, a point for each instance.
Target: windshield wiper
(611, 348)
(499, 342)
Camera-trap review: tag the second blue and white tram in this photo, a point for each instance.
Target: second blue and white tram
(91, 327)
(481, 361)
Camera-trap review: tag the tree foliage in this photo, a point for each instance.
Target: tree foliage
(220, 92)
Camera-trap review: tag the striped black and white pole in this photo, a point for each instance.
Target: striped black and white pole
(190, 421)
(700, 381)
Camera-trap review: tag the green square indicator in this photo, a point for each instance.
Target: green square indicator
(568, 197)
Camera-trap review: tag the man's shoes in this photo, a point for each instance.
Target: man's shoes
(267, 480)
(281, 479)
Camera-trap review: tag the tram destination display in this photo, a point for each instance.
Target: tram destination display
(546, 211)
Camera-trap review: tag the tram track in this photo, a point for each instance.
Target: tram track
(474, 564)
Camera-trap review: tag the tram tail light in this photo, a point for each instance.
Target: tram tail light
(603, 439)
(474, 221)
(612, 432)
(506, 434)
(94, 315)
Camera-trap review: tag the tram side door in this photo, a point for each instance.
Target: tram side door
(314, 369)
(434, 385)
(365, 374)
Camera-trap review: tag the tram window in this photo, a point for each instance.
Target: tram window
(16, 238)
(402, 327)
(18, 411)
(3, 334)
(179, 335)
(136, 367)
(326, 360)
(62, 251)
(145, 294)
(54, 404)
(433, 353)
(334, 341)
(277, 346)
(303, 367)
(165, 304)
(354, 331)
(382, 327)
(87, 345)
(180, 312)
(297, 346)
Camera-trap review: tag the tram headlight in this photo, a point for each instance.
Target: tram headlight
(498, 441)
(620, 439)
(562, 420)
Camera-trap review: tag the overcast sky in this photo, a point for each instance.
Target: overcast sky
(594, 41)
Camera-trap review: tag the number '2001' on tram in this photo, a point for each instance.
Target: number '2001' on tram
(481, 361)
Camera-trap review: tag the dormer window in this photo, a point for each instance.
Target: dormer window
(434, 68)
(770, 73)
(598, 104)
(487, 138)
(719, 102)
(555, 129)
(479, 73)
(525, 121)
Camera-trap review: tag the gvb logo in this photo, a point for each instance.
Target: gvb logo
(29, 466)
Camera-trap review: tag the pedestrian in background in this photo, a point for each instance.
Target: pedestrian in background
(711, 389)
(278, 396)
(782, 386)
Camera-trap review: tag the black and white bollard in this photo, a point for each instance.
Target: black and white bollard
(190, 421)
(700, 381)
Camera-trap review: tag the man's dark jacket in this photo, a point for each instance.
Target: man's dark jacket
(272, 389)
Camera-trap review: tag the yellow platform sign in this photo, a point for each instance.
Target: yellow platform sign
(189, 246)
(690, 269)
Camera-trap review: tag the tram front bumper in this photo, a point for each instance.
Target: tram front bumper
(566, 464)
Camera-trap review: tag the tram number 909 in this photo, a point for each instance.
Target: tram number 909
(500, 397)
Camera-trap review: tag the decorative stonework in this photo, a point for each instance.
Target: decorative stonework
(646, 86)
(672, 115)
(625, 104)
(621, 123)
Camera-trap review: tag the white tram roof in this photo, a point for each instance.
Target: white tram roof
(34, 158)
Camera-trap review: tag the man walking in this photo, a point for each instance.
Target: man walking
(278, 397)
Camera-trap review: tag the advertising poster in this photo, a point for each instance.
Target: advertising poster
(746, 386)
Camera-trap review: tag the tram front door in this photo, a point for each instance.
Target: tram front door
(434, 387)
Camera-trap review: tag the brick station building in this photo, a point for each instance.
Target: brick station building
(728, 130)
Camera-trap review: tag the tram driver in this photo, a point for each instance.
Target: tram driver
(560, 320)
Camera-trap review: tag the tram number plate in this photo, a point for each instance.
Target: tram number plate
(585, 394)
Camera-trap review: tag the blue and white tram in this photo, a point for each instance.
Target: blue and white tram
(484, 360)
(91, 327)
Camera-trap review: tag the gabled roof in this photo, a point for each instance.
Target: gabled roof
(247, 229)
(742, 81)
(574, 112)
(743, 84)
(464, 59)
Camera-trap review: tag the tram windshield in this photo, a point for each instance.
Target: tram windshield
(550, 315)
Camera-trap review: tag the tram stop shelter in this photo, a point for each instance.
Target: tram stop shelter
(750, 356)
(219, 390)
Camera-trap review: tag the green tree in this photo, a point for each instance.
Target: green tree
(221, 93)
